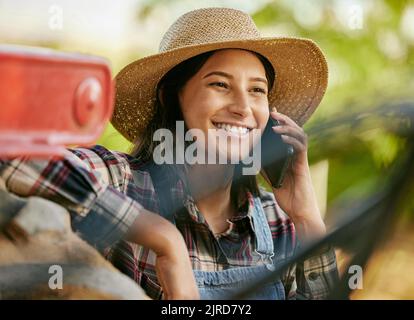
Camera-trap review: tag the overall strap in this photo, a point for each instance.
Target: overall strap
(262, 230)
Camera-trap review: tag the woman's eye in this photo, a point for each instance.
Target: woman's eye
(220, 84)
(259, 90)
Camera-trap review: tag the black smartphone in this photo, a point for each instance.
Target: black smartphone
(276, 154)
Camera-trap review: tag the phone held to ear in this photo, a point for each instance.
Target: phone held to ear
(276, 154)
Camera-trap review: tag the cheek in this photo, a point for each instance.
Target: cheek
(189, 108)
(198, 108)
(262, 116)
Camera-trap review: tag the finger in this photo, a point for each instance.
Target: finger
(293, 132)
(296, 144)
(284, 118)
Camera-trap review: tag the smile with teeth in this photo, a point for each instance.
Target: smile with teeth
(232, 129)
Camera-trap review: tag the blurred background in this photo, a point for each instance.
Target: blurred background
(369, 46)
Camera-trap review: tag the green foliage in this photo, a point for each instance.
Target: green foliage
(113, 140)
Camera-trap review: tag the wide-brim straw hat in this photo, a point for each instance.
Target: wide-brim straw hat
(300, 66)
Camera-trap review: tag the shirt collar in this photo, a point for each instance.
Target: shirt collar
(245, 202)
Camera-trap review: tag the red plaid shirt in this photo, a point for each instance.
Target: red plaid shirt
(98, 188)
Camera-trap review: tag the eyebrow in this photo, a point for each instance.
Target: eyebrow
(227, 75)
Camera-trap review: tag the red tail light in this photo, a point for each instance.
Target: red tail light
(50, 99)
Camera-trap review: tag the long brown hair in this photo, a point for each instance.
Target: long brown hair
(168, 111)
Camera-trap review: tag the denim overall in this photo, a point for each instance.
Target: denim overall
(224, 284)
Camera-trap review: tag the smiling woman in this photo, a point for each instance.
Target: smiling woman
(200, 229)
(215, 76)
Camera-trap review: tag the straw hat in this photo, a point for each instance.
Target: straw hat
(300, 66)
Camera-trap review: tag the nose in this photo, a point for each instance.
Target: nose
(240, 105)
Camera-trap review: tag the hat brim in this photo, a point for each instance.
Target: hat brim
(301, 79)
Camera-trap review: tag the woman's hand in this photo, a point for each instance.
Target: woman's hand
(173, 264)
(296, 197)
(175, 274)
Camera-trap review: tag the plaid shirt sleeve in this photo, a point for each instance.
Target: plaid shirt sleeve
(90, 183)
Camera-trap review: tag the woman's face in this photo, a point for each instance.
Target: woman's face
(227, 97)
